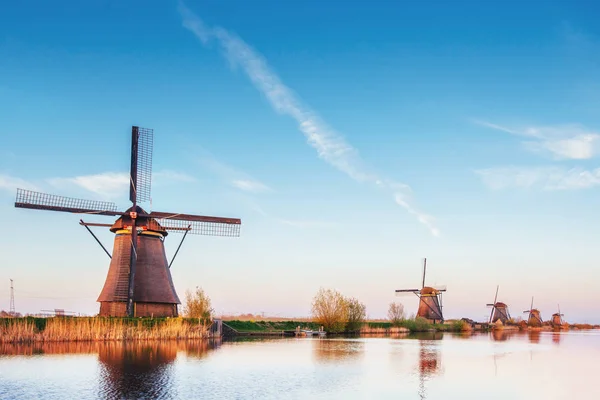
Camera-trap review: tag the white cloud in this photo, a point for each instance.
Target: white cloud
(114, 184)
(545, 178)
(307, 223)
(107, 184)
(249, 185)
(11, 183)
(171, 176)
(238, 179)
(329, 144)
(571, 141)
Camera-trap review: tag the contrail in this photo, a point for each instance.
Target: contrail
(330, 145)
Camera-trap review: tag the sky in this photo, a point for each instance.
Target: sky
(352, 141)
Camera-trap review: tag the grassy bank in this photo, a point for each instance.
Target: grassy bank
(408, 325)
(419, 325)
(63, 329)
(269, 326)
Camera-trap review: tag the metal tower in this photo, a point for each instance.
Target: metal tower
(12, 299)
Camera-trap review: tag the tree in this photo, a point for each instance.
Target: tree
(197, 305)
(329, 309)
(396, 313)
(357, 313)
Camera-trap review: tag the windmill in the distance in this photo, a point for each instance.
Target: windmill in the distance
(430, 299)
(557, 320)
(534, 319)
(139, 280)
(499, 310)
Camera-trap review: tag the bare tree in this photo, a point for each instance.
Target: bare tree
(396, 313)
(357, 313)
(197, 305)
(329, 309)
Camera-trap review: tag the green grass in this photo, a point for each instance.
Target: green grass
(264, 326)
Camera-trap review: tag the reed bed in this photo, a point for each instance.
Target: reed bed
(80, 329)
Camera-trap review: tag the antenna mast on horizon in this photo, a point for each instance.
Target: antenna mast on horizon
(11, 310)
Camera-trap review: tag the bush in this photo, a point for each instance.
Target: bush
(329, 310)
(197, 305)
(357, 313)
(396, 313)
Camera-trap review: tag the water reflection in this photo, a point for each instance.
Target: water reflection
(534, 336)
(556, 337)
(334, 351)
(143, 369)
(429, 359)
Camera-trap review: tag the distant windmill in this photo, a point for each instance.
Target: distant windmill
(430, 299)
(499, 310)
(557, 318)
(139, 279)
(534, 319)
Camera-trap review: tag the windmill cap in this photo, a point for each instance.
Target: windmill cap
(428, 290)
(150, 224)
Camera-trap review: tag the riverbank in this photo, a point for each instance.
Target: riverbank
(76, 329)
(256, 328)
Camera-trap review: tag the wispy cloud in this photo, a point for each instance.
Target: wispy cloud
(107, 184)
(329, 144)
(114, 184)
(545, 178)
(249, 185)
(569, 141)
(11, 183)
(234, 177)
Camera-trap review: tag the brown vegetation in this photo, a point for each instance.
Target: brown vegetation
(396, 313)
(337, 313)
(57, 329)
(197, 305)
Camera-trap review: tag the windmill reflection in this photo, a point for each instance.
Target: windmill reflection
(534, 336)
(499, 335)
(429, 359)
(556, 338)
(143, 369)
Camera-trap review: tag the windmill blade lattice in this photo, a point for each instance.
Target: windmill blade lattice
(142, 140)
(44, 201)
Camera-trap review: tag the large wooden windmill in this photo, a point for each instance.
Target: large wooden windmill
(557, 320)
(499, 310)
(534, 318)
(139, 279)
(430, 299)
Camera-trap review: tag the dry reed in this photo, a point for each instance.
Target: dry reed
(26, 330)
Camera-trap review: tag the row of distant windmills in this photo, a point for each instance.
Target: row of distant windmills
(430, 306)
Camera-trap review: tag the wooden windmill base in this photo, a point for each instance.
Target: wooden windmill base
(119, 309)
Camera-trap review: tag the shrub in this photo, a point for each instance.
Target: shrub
(396, 313)
(329, 310)
(197, 305)
(357, 313)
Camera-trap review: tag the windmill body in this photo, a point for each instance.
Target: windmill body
(154, 292)
(430, 300)
(139, 282)
(557, 320)
(499, 310)
(535, 318)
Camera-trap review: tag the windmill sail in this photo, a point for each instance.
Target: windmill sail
(44, 201)
(139, 238)
(141, 164)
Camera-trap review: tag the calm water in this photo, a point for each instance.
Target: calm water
(431, 366)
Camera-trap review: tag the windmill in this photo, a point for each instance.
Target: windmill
(534, 319)
(139, 280)
(430, 299)
(499, 310)
(557, 320)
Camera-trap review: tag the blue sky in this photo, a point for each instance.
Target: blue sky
(352, 141)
